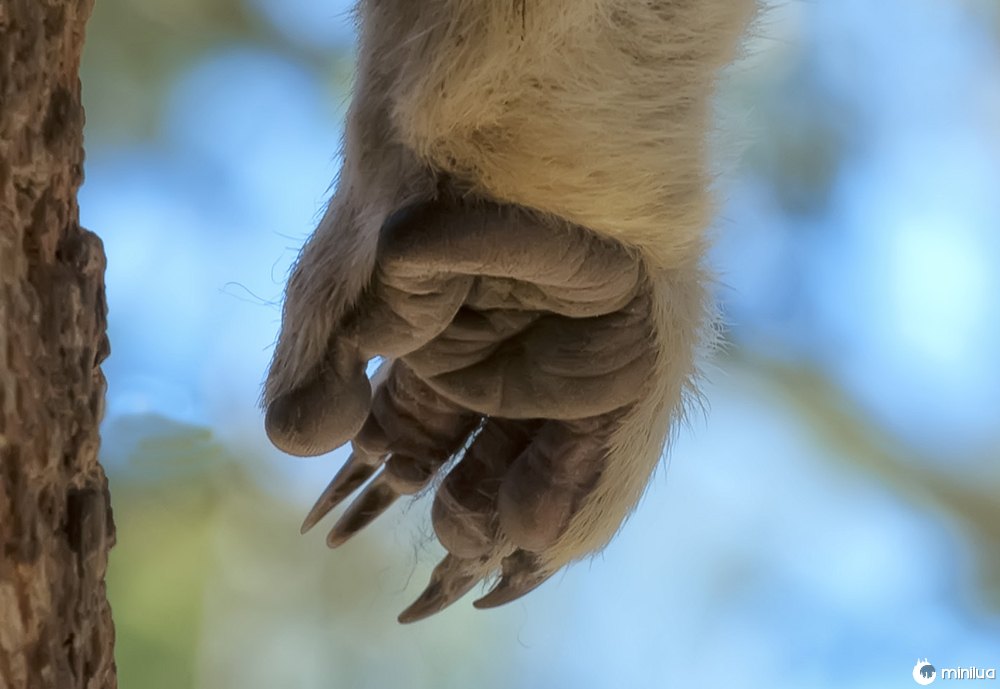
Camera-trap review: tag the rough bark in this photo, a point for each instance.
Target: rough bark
(55, 518)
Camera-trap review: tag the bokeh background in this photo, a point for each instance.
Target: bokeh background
(836, 514)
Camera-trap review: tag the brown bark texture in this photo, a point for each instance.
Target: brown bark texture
(55, 518)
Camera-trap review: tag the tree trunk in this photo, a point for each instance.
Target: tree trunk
(55, 517)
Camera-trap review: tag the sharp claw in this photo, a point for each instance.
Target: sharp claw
(350, 477)
(521, 574)
(450, 580)
(373, 501)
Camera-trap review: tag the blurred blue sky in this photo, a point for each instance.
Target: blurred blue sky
(766, 556)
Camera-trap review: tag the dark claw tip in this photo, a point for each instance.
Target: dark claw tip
(521, 575)
(450, 580)
(335, 539)
(423, 607)
(505, 592)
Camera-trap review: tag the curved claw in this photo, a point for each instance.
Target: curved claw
(375, 499)
(350, 477)
(521, 575)
(450, 580)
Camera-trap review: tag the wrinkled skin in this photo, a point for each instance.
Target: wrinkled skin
(513, 345)
(547, 364)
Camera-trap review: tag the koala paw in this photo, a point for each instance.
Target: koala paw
(515, 346)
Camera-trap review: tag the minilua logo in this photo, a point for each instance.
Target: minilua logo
(924, 673)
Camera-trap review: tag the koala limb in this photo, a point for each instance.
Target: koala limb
(518, 229)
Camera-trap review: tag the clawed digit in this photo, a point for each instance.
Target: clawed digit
(520, 573)
(450, 580)
(513, 350)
